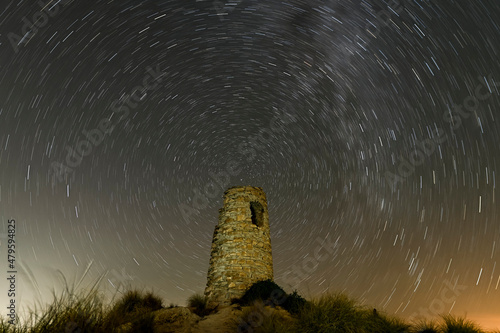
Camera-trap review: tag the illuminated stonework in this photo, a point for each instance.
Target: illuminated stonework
(241, 246)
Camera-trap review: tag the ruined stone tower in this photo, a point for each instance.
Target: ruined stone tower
(241, 246)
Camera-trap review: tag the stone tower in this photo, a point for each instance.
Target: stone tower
(241, 246)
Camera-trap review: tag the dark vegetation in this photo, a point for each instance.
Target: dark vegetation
(267, 308)
(199, 305)
(330, 313)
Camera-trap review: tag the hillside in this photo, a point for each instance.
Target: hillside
(264, 308)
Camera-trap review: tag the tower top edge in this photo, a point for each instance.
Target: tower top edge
(243, 189)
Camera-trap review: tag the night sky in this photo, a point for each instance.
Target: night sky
(372, 126)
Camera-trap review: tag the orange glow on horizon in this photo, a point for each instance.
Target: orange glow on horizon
(488, 322)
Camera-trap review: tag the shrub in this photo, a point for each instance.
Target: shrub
(381, 323)
(331, 314)
(70, 311)
(200, 304)
(143, 324)
(458, 325)
(294, 303)
(260, 319)
(132, 307)
(84, 312)
(424, 326)
(134, 300)
(266, 290)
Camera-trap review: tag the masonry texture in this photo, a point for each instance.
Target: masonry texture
(241, 246)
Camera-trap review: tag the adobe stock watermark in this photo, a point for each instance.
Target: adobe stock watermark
(256, 317)
(447, 297)
(38, 21)
(324, 249)
(383, 17)
(119, 278)
(93, 138)
(454, 116)
(248, 150)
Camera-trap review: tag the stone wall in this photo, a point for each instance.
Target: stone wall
(241, 246)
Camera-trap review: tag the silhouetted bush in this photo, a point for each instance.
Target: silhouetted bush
(266, 290)
(134, 300)
(70, 312)
(424, 326)
(132, 307)
(200, 304)
(143, 324)
(380, 323)
(458, 325)
(331, 313)
(294, 303)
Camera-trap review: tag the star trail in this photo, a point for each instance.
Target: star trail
(372, 126)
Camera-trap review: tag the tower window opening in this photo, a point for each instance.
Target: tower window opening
(257, 212)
